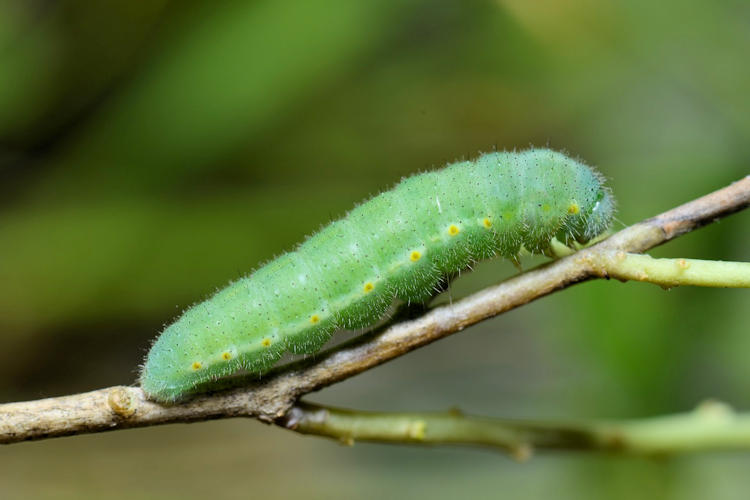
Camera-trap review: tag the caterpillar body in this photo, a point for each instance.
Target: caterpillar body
(399, 244)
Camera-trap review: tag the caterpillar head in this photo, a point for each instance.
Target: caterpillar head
(600, 213)
(594, 215)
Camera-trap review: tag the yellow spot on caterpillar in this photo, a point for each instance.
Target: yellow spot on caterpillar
(196, 366)
(226, 356)
(369, 287)
(683, 263)
(487, 222)
(266, 342)
(415, 256)
(453, 230)
(314, 318)
(573, 208)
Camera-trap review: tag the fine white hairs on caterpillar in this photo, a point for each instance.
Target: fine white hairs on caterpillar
(399, 244)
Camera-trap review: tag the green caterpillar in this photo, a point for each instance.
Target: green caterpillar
(401, 243)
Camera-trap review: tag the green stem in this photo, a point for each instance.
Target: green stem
(663, 272)
(673, 272)
(712, 426)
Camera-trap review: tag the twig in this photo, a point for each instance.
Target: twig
(123, 407)
(712, 426)
(672, 272)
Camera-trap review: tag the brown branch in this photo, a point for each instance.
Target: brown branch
(123, 407)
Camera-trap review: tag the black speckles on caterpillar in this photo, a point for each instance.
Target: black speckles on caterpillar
(398, 244)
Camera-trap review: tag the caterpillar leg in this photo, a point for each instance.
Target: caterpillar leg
(516, 261)
(406, 311)
(558, 249)
(443, 285)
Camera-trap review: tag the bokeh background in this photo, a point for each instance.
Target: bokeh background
(152, 151)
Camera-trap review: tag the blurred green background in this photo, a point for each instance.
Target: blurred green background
(152, 151)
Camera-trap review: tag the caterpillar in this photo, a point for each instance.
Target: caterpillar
(399, 244)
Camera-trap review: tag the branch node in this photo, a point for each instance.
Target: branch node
(347, 441)
(122, 402)
(522, 452)
(417, 430)
(712, 409)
